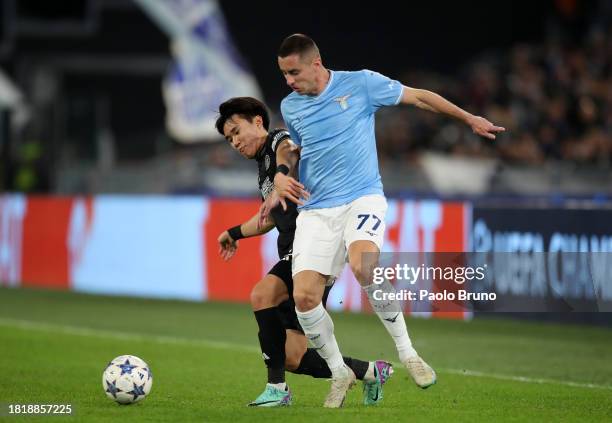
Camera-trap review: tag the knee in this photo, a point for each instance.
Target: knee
(305, 300)
(268, 293)
(256, 300)
(293, 360)
(259, 298)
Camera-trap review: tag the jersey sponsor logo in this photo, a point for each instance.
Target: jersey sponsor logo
(267, 187)
(343, 101)
(267, 161)
(281, 135)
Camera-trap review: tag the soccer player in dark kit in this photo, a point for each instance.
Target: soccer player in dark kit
(244, 122)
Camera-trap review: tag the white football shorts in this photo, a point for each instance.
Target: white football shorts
(323, 236)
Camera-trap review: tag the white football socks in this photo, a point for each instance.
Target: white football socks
(390, 314)
(319, 329)
(369, 374)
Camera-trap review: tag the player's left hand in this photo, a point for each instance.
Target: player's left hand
(227, 246)
(289, 188)
(484, 128)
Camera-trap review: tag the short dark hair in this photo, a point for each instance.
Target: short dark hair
(245, 107)
(297, 44)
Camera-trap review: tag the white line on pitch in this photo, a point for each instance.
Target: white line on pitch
(476, 373)
(161, 339)
(123, 336)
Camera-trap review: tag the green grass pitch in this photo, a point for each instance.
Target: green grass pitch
(206, 364)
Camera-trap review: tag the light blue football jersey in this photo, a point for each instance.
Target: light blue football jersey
(338, 161)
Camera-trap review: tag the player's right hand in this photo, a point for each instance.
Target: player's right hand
(484, 128)
(227, 246)
(289, 189)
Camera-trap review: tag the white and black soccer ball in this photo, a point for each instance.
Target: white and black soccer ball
(127, 379)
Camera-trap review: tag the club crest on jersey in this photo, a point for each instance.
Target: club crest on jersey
(343, 101)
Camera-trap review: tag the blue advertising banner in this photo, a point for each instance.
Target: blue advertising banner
(553, 259)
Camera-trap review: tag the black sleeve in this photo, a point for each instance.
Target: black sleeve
(278, 135)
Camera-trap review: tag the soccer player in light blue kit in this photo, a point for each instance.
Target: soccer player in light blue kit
(330, 116)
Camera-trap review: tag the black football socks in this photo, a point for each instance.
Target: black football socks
(272, 337)
(314, 365)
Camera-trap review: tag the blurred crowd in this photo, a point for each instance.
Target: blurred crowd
(555, 100)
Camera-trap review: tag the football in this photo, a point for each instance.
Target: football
(127, 379)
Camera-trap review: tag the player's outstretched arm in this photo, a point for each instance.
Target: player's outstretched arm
(433, 102)
(228, 240)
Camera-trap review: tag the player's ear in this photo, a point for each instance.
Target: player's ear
(258, 121)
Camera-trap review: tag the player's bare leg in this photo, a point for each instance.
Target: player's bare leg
(308, 289)
(389, 311)
(295, 348)
(268, 292)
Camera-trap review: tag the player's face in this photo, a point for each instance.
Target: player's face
(300, 73)
(246, 137)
